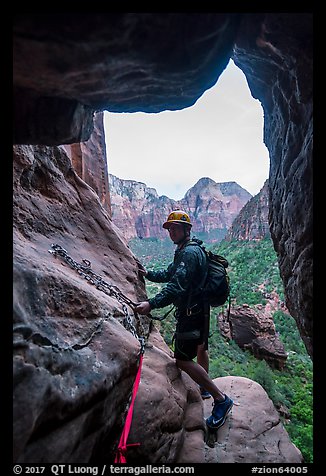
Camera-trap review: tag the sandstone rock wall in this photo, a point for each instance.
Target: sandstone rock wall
(253, 432)
(252, 221)
(139, 212)
(74, 361)
(89, 161)
(254, 329)
(74, 358)
(68, 66)
(280, 48)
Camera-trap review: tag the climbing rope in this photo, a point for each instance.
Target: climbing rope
(96, 280)
(120, 456)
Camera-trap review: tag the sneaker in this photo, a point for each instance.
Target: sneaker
(204, 394)
(219, 413)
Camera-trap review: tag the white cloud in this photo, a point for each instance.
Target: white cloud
(220, 136)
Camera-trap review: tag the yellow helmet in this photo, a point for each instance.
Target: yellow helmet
(177, 216)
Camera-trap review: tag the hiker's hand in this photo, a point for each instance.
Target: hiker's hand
(143, 307)
(142, 271)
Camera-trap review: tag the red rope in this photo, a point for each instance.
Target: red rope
(122, 447)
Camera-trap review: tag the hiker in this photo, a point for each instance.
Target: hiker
(182, 277)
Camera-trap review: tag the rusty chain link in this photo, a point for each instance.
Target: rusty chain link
(85, 271)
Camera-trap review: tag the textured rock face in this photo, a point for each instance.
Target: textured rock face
(74, 362)
(168, 414)
(89, 161)
(68, 66)
(138, 210)
(65, 68)
(252, 221)
(280, 49)
(254, 329)
(252, 433)
(75, 359)
(71, 65)
(214, 205)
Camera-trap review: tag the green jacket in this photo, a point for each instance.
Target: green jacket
(183, 277)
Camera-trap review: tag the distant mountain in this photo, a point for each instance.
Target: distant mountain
(252, 221)
(138, 210)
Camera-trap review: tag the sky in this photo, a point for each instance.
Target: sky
(220, 137)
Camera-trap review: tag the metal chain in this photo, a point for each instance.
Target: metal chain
(111, 290)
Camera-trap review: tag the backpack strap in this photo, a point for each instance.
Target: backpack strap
(206, 321)
(196, 242)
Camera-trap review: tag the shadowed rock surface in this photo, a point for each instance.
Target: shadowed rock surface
(68, 66)
(74, 361)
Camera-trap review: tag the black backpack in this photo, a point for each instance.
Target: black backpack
(216, 284)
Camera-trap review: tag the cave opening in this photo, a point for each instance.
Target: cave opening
(219, 137)
(63, 73)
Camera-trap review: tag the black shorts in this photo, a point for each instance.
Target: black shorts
(186, 349)
(191, 332)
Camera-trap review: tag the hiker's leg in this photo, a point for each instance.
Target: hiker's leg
(184, 353)
(202, 357)
(200, 376)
